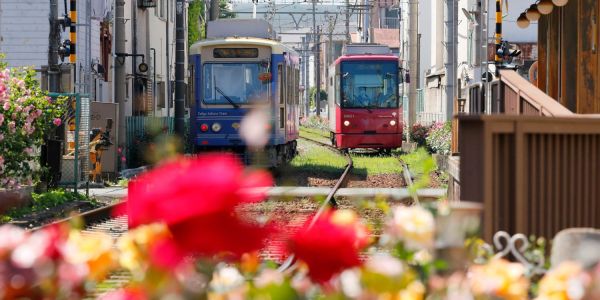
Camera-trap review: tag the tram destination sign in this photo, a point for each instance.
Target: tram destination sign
(147, 3)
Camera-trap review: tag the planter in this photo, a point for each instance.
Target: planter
(15, 198)
(453, 227)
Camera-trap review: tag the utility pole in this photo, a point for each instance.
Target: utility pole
(306, 79)
(318, 70)
(168, 59)
(214, 10)
(450, 57)
(316, 60)
(348, 21)
(413, 56)
(179, 70)
(53, 42)
(120, 81)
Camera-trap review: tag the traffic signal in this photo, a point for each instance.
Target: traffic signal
(64, 49)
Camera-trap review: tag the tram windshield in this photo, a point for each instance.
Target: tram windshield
(234, 83)
(369, 84)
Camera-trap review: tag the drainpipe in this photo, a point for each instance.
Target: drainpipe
(451, 57)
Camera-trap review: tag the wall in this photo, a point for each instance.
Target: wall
(24, 32)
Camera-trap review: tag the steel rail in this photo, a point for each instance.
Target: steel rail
(290, 261)
(89, 218)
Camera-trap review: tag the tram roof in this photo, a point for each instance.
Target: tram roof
(358, 57)
(276, 46)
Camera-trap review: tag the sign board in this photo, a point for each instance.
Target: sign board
(146, 3)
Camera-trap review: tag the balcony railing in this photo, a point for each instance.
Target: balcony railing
(389, 23)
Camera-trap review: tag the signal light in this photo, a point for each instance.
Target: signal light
(204, 127)
(64, 50)
(216, 127)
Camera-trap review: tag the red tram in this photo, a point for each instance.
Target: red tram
(364, 108)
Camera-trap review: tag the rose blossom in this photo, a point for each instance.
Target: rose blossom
(1, 137)
(330, 245)
(201, 194)
(57, 122)
(12, 127)
(414, 226)
(1, 119)
(6, 105)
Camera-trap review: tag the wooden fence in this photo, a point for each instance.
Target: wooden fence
(534, 175)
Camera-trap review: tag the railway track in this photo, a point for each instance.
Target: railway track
(101, 220)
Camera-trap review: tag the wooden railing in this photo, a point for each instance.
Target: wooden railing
(519, 97)
(533, 174)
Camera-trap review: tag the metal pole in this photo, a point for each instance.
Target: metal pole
(180, 70)
(306, 78)
(53, 42)
(120, 80)
(254, 2)
(316, 59)
(412, 45)
(318, 70)
(450, 57)
(214, 10)
(73, 31)
(348, 40)
(168, 58)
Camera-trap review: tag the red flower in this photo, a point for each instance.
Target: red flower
(126, 294)
(196, 198)
(331, 245)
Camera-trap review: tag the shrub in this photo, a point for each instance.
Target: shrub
(315, 122)
(27, 115)
(418, 134)
(439, 138)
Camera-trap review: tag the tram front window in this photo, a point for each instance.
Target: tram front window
(370, 84)
(234, 83)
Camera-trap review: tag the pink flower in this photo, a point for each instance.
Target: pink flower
(6, 105)
(12, 127)
(28, 151)
(1, 119)
(38, 112)
(57, 122)
(1, 137)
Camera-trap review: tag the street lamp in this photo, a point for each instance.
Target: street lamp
(533, 14)
(545, 7)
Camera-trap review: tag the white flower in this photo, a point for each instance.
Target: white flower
(268, 277)
(385, 264)
(226, 279)
(414, 225)
(256, 128)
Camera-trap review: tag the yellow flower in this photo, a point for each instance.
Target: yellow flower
(133, 247)
(501, 279)
(93, 250)
(561, 282)
(414, 225)
(414, 291)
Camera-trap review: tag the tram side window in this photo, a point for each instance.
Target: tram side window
(280, 83)
(297, 87)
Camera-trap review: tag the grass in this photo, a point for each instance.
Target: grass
(44, 201)
(326, 160)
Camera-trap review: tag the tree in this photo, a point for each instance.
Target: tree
(197, 23)
(313, 92)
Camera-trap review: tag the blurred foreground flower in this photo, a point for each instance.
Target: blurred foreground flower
(331, 244)
(255, 128)
(414, 226)
(196, 198)
(565, 282)
(499, 278)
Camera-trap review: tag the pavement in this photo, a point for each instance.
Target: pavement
(397, 194)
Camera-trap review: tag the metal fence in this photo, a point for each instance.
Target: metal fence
(142, 131)
(75, 153)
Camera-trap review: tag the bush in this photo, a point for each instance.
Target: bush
(439, 138)
(418, 134)
(27, 116)
(316, 122)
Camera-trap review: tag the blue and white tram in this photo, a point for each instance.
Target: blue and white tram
(233, 75)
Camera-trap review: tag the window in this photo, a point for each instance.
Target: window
(160, 94)
(372, 84)
(280, 83)
(235, 52)
(159, 9)
(234, 83)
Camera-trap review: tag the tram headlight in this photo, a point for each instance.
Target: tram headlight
(216, 127)
(393, 122)
(346, 123)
